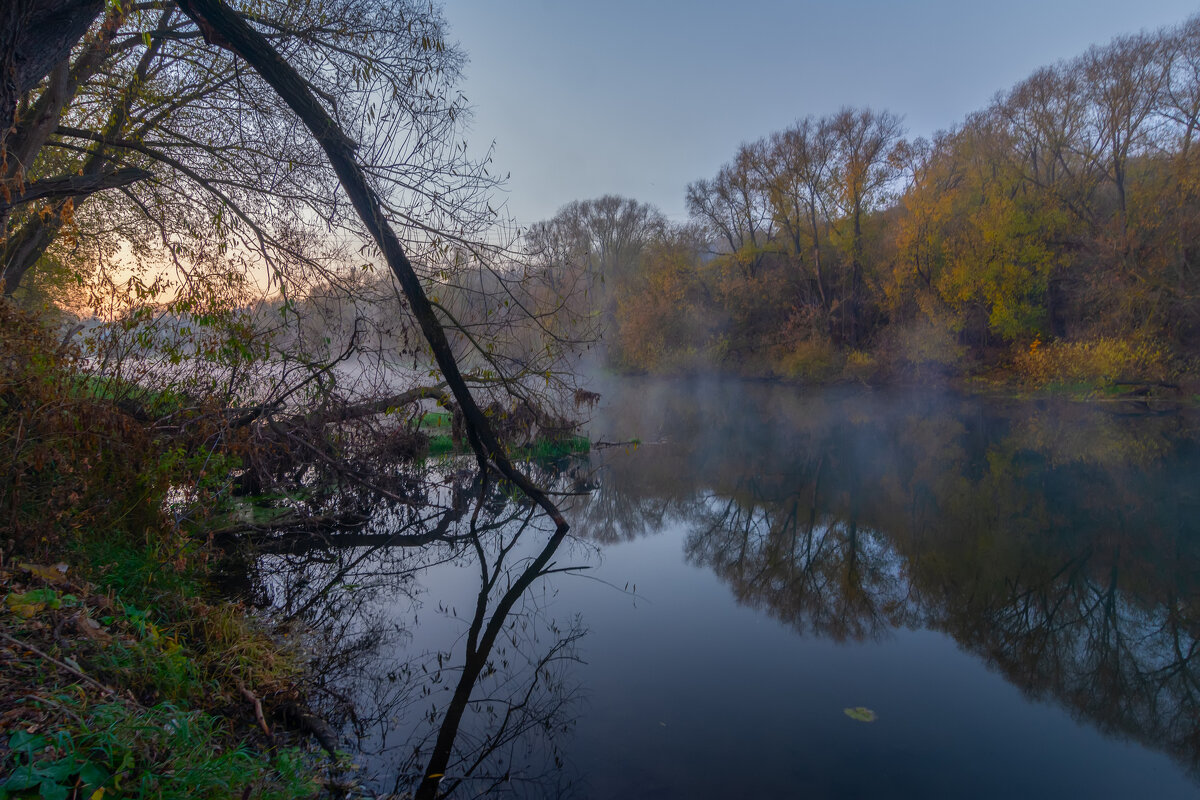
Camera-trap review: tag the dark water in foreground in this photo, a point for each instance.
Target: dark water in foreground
(1011, 587)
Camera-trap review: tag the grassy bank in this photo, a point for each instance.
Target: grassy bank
(124, 675)
(122, 671)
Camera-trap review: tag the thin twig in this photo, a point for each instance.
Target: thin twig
(61, 665)
(258, 709)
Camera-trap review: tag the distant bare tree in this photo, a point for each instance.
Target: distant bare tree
(863, 169)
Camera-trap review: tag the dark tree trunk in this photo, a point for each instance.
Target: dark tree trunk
(36, 35)
(222, 27)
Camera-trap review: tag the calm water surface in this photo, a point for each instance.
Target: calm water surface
(1012, 588)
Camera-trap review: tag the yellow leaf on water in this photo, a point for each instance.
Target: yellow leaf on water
(859, 713)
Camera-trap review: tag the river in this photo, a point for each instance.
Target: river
(779, 592)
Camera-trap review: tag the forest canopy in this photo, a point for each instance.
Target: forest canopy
(1053, 233)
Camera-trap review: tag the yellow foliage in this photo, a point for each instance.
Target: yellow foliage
(860, 365)
(813, 359)
(1100, 360)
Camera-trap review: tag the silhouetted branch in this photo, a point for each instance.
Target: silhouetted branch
(74, 186)
(224, 28)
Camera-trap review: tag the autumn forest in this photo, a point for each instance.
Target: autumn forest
(1052, 235)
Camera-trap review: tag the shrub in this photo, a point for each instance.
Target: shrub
(860, 365)
(926, 344)
(68, 459)
(1100, 361)
(812, 359)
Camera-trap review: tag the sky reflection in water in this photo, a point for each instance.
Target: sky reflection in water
(1011, 586)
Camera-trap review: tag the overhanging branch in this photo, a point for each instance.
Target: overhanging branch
(74, 186)
(223, 27)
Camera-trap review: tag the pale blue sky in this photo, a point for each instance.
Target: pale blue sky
(641, 98)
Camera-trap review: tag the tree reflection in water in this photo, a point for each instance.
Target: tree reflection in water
(461, 720)
(1059, 542)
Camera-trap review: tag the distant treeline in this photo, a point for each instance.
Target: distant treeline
(1055, 233)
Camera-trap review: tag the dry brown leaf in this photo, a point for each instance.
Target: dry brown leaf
(92, 630)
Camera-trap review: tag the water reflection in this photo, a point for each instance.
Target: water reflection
(822, 575)
(1058, 543)
(482, 707)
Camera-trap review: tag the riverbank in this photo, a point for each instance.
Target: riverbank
(123, 672)
(1102, 370)
(125, 667)
(122, 669)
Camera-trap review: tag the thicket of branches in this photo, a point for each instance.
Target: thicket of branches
(158, 186)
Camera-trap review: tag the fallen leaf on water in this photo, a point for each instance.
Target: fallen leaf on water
(859, 713)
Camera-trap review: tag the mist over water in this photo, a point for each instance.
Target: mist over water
(1011, 587)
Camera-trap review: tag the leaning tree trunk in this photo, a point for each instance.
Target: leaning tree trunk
(223, 28)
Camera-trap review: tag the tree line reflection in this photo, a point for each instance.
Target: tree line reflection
(1059, 542)
(481, 710)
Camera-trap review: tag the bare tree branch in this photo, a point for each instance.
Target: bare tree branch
(75, 186)
(226, 29)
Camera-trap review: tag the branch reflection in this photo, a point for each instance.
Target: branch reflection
(480, 708)
(1058, 542)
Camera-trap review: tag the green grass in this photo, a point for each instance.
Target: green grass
(436, 420)
(178, 657)
(1070, 388)
(552, 449)
(441, 445)
(137, 572)
(436, 425)
(542, 450)
(162, 752)
(149, 594)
